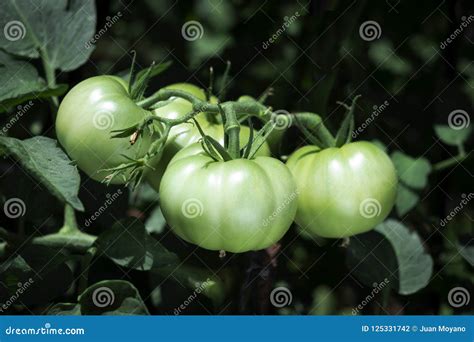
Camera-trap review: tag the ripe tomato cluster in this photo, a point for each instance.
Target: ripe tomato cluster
(234, 205)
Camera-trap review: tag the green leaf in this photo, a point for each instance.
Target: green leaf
(44, 160)
(198, 280)
(467, 252)
(412, 172)
(451, 136)
(128, 244)
(415, 266)
(20, 82)
(391, 251)
(112, 297)
(324, 301)
(65, 309)
(372, 259)
(60, 30)
(40, 272)
(406, 199)
(383, 55)
(156, 222)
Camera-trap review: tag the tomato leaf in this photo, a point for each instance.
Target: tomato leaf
(198, 280)
(40, 271)
(156, 222)
(406, 199)
(451, 136)
(21, 82)
(394, 252)
(412, 172)
(128, 244)
(415, 266)
(467, 252)
(30, 31)
(65, 309)
(112, 297)
(44, 160)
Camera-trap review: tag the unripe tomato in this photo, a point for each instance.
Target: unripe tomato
(236, 206)
(86, 117)
(343, 191)
(186, 134)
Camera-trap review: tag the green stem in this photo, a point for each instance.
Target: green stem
(70, 222)
(75, 242)
(449, 162)
(242, 108)
(314, 124)
(50, 75)
(232, 129)
(85, 266)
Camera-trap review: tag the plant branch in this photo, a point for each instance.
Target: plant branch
(442, 165)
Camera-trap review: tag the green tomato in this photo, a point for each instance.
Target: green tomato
(86, 117)
(236, 206)
(343, 191)
(187, 133)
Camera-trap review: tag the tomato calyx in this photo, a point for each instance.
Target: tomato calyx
(231, 113)
(313, 128)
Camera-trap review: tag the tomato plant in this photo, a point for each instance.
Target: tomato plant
(86, 117)
(200, 197)
(343, 191)
(353, 214)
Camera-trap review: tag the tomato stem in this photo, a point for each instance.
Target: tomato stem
(232, 129)
(442, 165)
(314, 129)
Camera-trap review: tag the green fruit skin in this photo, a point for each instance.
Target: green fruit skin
(186, 134)
(86, 117)
(343, 191)
(235, 206)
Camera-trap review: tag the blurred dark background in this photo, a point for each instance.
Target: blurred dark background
(318, 59)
